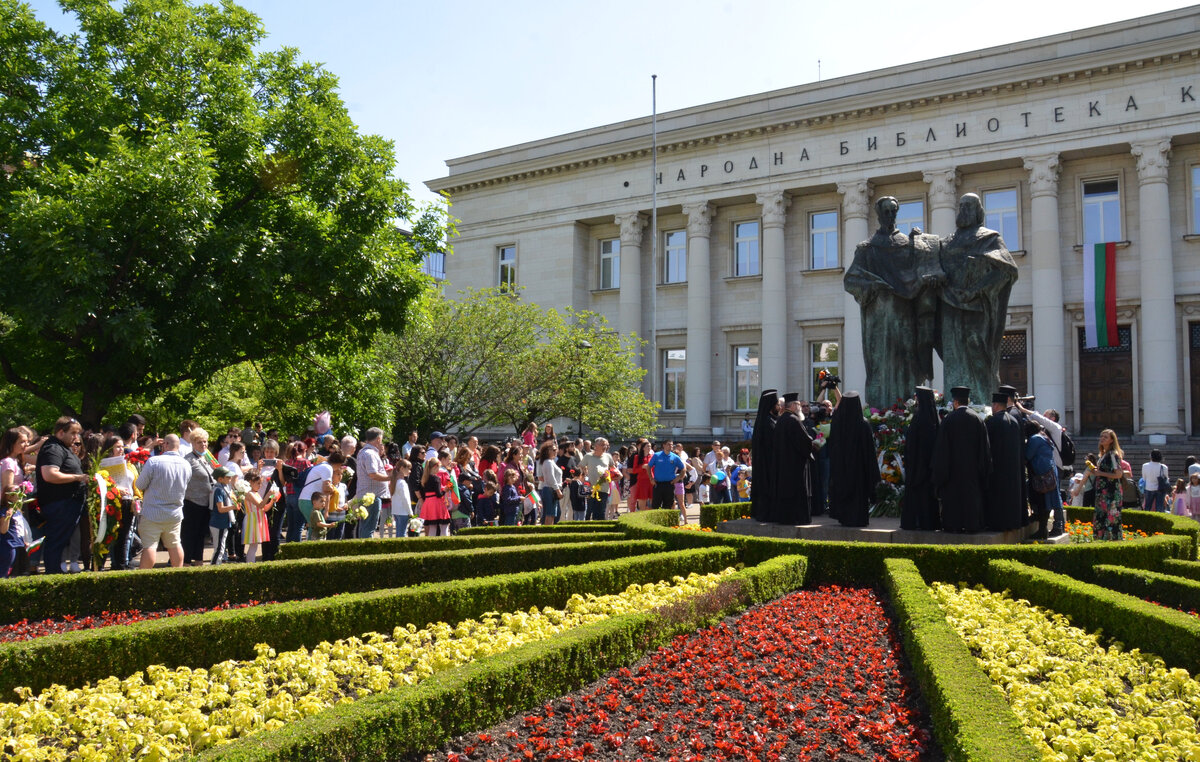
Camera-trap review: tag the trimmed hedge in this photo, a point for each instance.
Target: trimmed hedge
(713, 514)
(201, 640)
(1178, 568)
(1171, 634)
(56, 595)
(1176, 592)
(1150, 522)
(862, 562)
(971, 718)
(379, 546)
(487, 691)
(566, 527)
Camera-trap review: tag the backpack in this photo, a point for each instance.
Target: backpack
(300, 480)
(1163, 487)
(1066, 450)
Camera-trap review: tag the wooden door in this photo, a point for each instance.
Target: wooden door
(1194, 360)
(1106, 386)
(1014, 365)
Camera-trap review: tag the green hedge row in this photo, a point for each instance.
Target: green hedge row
(380, 546)
(1171, 634)
(862, 562)
(1150, 522)
(971, 718)
(1179, 568)
(202, 640)
(404, 722)
(714, 513)
(567, 527)
(56, 595)
(1169, 590)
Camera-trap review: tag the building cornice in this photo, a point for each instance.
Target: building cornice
(954, 79)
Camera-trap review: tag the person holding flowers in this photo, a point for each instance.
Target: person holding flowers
(61, 485)
(1106, 520)
(220, 522)
(434, 513)
(255, 529)
(12, 492)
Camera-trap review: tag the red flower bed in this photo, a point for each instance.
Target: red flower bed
(27, 630)
(814, 675)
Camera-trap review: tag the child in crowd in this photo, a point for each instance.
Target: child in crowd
(220, 520)
(255, 530)
(401, 499)
(318, 526)
(488, 505)
(529, 500)
(578, 491)
(510, 498)
(743, 484)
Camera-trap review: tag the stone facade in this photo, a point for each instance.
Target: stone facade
(1102, 124)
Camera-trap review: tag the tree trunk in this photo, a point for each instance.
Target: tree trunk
(93, 408)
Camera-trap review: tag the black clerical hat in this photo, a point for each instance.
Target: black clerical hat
(769, 392)
(924, 389)
(1000, 397)
(790, 397)
(960, 394)
(1010, 391)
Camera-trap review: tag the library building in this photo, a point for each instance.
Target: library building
(1073, 140)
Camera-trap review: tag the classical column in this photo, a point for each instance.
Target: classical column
(697, 397)
(856, 207)
(632, 225)
(1050, 356)
(943, 214)
(1157, 336)
(773, 351)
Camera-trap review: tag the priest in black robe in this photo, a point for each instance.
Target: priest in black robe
(1003, 502)
(762, 444)
(792, 453)
(919, 505)
(962, 462)
(853, 463)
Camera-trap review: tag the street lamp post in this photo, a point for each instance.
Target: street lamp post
(583, 344)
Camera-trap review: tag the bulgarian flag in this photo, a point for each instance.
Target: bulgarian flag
(1100, 296)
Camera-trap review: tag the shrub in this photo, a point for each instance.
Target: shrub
(381, 546)
(201, 640)
(1150, 522)
(1176, 592)
(1171, 634)
(484, 692)
(862, 562)
(713, 514)
(971, 718)
(56, 595)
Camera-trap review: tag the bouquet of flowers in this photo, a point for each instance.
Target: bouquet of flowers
(138, 457)
(605, 478)
(241, 488)
(104, 513)
(356, 509)
(416, 525)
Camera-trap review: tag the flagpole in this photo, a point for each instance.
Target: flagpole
(653, 345)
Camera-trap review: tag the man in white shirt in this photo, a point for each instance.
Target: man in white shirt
(1054, 430)
(407, 448)
(437, 440)
(1155, 499)
(373, 478)
(713, 458)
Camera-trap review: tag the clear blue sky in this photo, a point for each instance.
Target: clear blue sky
(456, 77)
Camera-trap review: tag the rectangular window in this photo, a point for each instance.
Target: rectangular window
(1001, 215)
(910, 215)
(745, 249)
(1196, 199)
(675, 257)
(674, 378)
(823, 227)
(610, 263)
(1101, 212)
(507, 270)
(745, 377)
(824, 358)
(434, 265)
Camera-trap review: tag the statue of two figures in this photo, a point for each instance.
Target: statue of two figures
(922, 293)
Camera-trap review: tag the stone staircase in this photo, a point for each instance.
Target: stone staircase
(1137, 451)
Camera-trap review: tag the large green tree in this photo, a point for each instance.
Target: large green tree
(174, 201)
(488, 359)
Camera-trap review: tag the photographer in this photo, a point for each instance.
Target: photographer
(828, 384)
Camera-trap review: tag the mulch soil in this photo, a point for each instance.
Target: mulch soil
(27, 630)
(815, 675)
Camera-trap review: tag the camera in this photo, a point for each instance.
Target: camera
(828, 380)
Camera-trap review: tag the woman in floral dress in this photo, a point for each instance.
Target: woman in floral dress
(1106, 521)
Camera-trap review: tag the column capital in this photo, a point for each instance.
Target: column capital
(943, 187)
(774, 208)
(699, 214)
(1153, 156)
(1043, 174)
(856, 198)
(632, 224)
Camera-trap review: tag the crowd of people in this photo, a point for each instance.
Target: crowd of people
(244, 491)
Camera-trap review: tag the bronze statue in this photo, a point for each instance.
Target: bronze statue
(974, 301)
(895, 280)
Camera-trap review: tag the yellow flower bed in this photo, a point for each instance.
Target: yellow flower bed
(167, 713)
(1076, 699)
